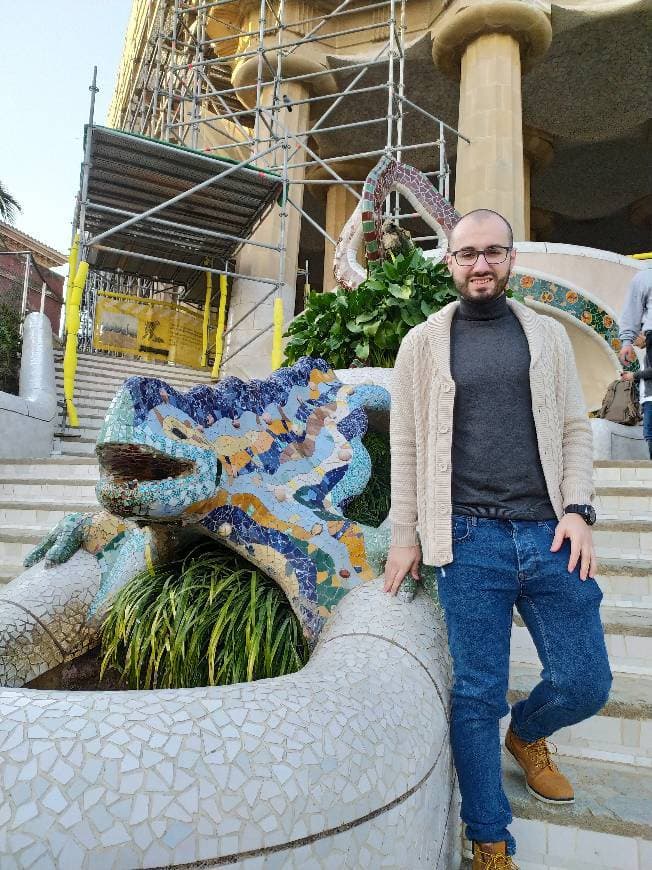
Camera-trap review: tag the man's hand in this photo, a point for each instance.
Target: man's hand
(573, 527)
(626, 354)
(626, 376)
(401, 561)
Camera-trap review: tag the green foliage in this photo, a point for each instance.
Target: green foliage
(366, 326)
(8, 205)
(211, 618)
(372, 506)
(10, 344)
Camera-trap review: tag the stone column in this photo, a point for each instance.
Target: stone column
(488, 43)
(537, 154)
(264, 263)
(340, 205)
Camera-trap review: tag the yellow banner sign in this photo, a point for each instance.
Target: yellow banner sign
(150, 329)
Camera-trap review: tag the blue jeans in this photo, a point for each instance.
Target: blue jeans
(499, 564)
(647, 424)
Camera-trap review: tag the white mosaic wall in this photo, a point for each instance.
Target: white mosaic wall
(44, 617)
(344, 764)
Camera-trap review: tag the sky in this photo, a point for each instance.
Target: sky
(46, 66)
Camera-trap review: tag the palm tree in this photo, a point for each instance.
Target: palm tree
(8, 205)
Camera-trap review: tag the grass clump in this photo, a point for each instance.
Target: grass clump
(209, 618)
(372, 506)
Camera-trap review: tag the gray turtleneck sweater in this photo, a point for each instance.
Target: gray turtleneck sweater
(496, 469)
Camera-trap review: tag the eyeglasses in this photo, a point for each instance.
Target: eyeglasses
(493, 255)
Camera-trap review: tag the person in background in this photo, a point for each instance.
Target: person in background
(643, 377)
(636, 316)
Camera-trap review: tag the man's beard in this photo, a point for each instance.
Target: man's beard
(470, 295)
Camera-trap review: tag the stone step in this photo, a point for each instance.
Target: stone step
(42, 514)
(20, 489)
(623, 538)
(50, 468)
(75, 446)
(622, 732)
(8, 571)
(85, 380)
(96, 362)
(98, 392)
(17, 541)
(621, 501)
(92, 405)
(86, 432)
(626, 582)
(628, 635)
(631, 472)
(609, 827)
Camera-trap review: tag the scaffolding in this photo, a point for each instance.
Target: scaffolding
(186, 124)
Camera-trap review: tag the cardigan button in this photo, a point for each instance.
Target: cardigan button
(446, 388)
(443, 428)
(442, 466)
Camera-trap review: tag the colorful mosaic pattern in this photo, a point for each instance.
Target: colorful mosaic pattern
(579, 306)
(266, 467)
(385, 177)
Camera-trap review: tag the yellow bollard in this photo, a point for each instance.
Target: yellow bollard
(277, 339)
(207, 315)
(219, 333)
(70, 355)
(72, 269)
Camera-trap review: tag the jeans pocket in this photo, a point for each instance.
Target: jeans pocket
(461, 529)
(548, 525)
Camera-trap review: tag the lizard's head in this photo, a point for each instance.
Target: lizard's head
(155, 458)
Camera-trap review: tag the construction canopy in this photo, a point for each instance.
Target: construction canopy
(130, 174)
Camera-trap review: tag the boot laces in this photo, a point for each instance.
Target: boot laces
(497, 862)
(539, 751)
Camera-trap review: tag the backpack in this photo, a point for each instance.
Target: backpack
(621, 403)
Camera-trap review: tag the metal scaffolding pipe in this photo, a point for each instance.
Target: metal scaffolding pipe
(166, 261)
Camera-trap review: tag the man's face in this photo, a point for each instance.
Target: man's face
(482, 281)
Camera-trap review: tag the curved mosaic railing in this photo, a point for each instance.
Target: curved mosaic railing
(571, 301)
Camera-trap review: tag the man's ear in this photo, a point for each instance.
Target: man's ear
(512, 256)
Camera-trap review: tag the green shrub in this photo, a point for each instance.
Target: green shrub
(10, 344)
(372, 506)
(365, 326)
(210, 618)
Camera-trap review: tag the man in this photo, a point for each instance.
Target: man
(637, 317)
(492, 464)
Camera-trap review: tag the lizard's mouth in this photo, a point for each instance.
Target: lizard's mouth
(125, 463)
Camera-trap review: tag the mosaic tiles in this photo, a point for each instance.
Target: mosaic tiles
(266, 467)
(366, 221)
(313, 770)
(571, 301)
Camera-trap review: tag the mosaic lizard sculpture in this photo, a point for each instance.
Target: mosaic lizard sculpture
(366, 221)
(265, 467)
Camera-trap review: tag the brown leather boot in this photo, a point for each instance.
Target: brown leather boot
(492, 856)
(542, 778)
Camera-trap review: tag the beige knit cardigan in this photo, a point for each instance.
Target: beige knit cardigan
(421, 428)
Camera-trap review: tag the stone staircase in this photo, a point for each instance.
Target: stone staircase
(36, 493)
(608, 757)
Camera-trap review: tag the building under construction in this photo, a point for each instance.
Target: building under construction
(248, 128)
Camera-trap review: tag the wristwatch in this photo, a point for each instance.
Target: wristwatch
(586, 511)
